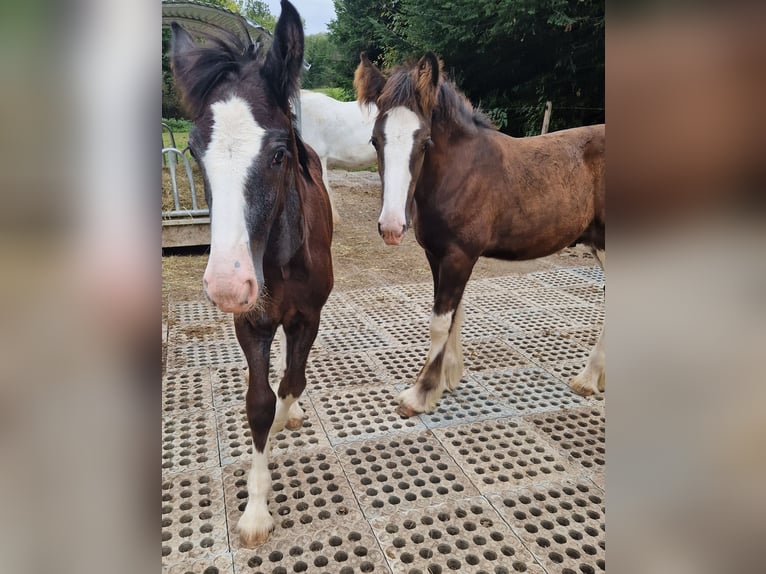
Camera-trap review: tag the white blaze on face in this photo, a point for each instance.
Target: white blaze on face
(401, 125)
(234, 145)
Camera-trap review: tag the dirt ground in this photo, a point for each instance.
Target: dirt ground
(360, 258)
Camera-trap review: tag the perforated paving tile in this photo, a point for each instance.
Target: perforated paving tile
(536, 321)
(595, 273)
(360, 338)
(203, 354)
(362, 413)
(185, 312)
(189, 442)
(548, 298)
(346, 548)
(581, 433)
(562, 524)
(530, 390)
(491, 354)
(566, 370)
(500, 454)
(404, 334)
(582, 315)
(402, 312)
(340, 316)
(401, 473)
(235, 440)
(219, 565)
(332, 372)
(309, 493)
(515, 282)
(193, 516)
(185, 390)
(481, 327)
(495, 303)
(201, 332)
(586, 336)
(400, 365)
(591, 294)
(560, 278)
(463, 535)
(550, 348)
(469, 402)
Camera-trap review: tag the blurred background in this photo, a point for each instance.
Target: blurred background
(79, 348)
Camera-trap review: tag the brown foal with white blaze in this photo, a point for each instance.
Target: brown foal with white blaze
(473, 191)
(271, 223)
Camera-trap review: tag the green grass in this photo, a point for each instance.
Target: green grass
(182, 139)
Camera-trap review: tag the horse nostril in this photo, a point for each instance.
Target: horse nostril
(380, 231)
(404, 229)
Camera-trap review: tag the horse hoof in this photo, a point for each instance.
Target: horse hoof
(602, 382)
(293, 424)
(253, 539)
(581, 387)
(406, 412)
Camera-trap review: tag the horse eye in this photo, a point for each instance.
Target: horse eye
(374, 142)
(279, 157)
(427, 143)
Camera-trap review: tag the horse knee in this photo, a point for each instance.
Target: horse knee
(261, 408)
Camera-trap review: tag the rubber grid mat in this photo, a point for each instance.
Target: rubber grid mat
(235, 441)
(346, 548)
(504, 476)
(186, 390)
(581, 433)
(331, 372)
(193, 516)
(463, 535)
(500, 454)
(309, 493)
(562, 524)
(413, 471)
(362, 413)
(530, 390)
(469, 402)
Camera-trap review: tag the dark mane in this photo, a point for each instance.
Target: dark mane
(208, 65)
(452, 107)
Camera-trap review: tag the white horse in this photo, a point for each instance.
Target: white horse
(339, 132)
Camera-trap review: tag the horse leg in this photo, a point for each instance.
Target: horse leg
(453, 360)
(295, 415)
(300, 337)
(593, 376)
(256, 522)
(325, 179)
(444, 364)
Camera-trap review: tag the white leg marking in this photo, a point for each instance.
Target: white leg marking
(593, 376)
(415, 398)
(281, 413)
(256, 522)
(282, 359)
(453, 357)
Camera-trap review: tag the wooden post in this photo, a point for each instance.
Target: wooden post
(547, 117)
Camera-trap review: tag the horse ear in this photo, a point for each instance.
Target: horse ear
(285, 58)
(368, 81)
(427, 85)
(183, 55)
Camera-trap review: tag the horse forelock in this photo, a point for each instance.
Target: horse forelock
(452, 110)
(208, 66)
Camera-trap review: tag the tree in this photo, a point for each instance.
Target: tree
(510, 56)
(258, 12)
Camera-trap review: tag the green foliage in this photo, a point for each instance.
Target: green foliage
(178, 124)
(511, 56)
(258, 12)
(323, 56)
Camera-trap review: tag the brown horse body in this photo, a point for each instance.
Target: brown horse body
(471, 192)
(271, 223)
